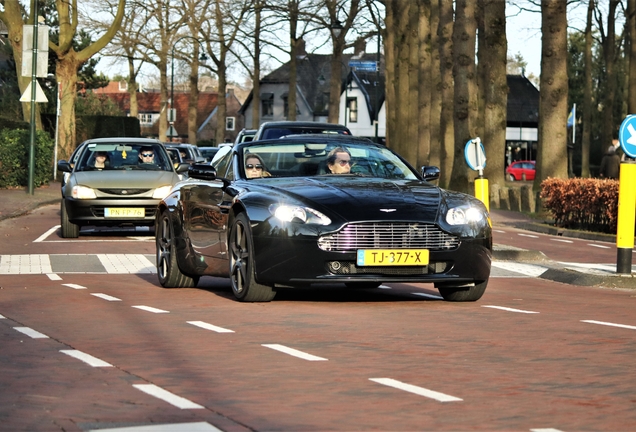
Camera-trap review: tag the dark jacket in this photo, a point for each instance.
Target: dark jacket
(610, 165)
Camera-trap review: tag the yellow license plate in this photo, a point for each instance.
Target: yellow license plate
(392, 257)
(124, 212)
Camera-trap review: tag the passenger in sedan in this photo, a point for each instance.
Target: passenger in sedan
(254, 167)
(101, 161)
(339, 161)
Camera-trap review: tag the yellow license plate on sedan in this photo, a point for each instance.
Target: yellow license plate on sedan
(125, 212)
(392, 257)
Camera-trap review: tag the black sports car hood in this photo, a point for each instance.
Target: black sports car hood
(359, 198)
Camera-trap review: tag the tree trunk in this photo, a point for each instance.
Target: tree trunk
(256, 75)
(132, 89)
(495, 89)
(335, 83)
(552, 155)
(434, 157)
(465, 103)
(221, 107)
(67, 75)
(609, 55)
(390, 71)
(193, 100)
(293, 74)
(401, 143)
(631, 17)
(446, 124)
(422, 75)
(587, 94)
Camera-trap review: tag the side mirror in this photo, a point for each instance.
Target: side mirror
(64, 166)
(181, 167)
(430, 173)
(206, 172)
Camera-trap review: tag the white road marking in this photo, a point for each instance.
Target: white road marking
(499, 231)
(510, 309)
(53, 276)
(174, 427)
(441, 397)
(106, 297)
(86, 358)
(528, 235)
(517, 267)
(126, 263)
(75, 286)
(545, 430)
(166, 396)
(384, 287)
(293, 352)
(25, 264)
(598, 246)
(207, 326)
(433, 296)
(46, 234)
(562, 240)
(31, 333)
(610, 324)
(3, 317)
(151, 309)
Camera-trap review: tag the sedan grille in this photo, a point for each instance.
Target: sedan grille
(124, 192)
(388, 235)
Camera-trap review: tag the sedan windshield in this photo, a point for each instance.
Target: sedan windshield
(297, 159)
(124, 156)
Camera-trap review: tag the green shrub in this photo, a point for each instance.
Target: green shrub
(14, 158)
(588, 204)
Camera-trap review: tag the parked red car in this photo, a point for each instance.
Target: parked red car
(521, 170)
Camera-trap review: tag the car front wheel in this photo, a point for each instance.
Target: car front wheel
(69, 229)
(463, 293)
(242, 276)
(170, 275)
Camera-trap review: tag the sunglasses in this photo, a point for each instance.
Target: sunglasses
(252, 166)
(343, 162)
(147, 154)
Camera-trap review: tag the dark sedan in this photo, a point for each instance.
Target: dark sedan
(297, 223)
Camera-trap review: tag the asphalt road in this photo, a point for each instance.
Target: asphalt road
(85, 349)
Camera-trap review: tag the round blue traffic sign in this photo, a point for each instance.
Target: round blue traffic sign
(627, 135)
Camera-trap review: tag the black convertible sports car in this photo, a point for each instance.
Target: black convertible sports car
(295, 223)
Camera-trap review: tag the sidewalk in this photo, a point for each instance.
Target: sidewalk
(17, 202)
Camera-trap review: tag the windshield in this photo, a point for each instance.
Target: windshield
(124, 156)
(298, 159)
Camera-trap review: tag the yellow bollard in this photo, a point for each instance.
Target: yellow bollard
(626, 217)
(481, 191)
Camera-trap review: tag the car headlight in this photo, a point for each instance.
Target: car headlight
(83, 192)
(289, 213)
(161, 192)
(464, 215)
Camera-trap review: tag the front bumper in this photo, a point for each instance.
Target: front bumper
(92, 211)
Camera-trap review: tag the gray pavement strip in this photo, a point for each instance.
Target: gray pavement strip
(77, 264)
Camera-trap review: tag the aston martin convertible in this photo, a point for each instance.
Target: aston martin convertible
(309, 210)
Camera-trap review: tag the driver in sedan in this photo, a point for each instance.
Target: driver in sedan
(147, 156)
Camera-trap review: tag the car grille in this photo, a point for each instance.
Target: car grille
(124, 192)
(350, 268)
(148, 210)
(376, 235)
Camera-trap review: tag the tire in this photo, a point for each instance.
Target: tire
(69, 230)
(523, 176)
(241, 254)
(511, 177)
(463, 294)
(170, 276)
(363, 285)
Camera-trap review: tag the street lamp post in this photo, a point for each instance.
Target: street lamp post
(172, 115)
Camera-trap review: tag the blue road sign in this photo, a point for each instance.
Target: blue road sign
(627, 135)
(364, 66)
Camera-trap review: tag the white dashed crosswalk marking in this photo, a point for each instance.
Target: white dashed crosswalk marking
(25, 264)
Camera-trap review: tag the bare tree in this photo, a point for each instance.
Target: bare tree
(436, 87)
(447, 132)
(608, 41)
(421, 85)
(631, 20)
(587, 94)
(465, 100)
(495, 103)
(552, 160)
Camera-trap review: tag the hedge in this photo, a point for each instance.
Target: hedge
(14, 158)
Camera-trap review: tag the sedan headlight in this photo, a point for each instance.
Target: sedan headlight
(161, 192)
(83, 192)
(464, 215)
(289, 213)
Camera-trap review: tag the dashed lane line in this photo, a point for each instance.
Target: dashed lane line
(629, 327)
(46, 234)
(53, 276)
(441, 397)
(151, 309)
(86, 358)
(294, 352)
(105, 297)
(528, 235)
(3, 317)
(168, 427)
(599, 246)
(207, 326)
(561, 240)
(31, 333)
(509, 309)
(74, 286)
(167, 396)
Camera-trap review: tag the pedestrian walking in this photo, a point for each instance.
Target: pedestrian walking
(610, 164)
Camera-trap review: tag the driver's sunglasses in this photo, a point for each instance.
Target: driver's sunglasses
(252, 166)
(342, 162)
(147, 154)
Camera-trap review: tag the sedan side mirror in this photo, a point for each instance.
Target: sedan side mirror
(182, 167)
(64, 166)
(430, 173)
